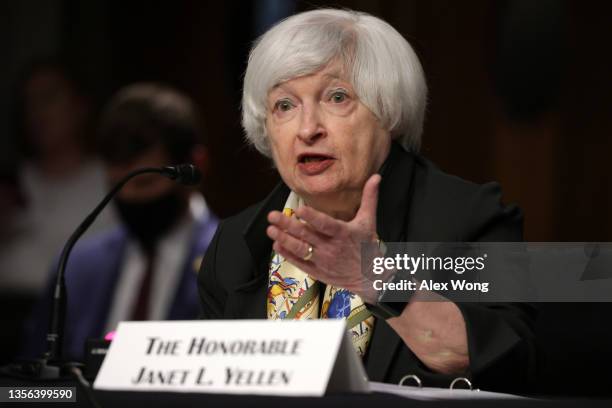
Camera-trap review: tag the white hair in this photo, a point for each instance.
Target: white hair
(380, 64)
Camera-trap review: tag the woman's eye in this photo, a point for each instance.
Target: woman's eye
(283, 105)
(338, 97)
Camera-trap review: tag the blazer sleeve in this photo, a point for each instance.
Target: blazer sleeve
(501, 339)
(500, 336)
(212, 295)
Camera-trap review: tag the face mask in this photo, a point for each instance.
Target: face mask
(149, 221)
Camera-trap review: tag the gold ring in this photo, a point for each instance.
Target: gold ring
(308, 256)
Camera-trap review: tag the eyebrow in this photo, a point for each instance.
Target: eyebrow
(329, 75)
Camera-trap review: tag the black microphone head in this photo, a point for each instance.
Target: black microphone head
(186, 174)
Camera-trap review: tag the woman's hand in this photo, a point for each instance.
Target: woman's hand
(336, 244)
(434, 331)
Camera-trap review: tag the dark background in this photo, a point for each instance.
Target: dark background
(519, 93)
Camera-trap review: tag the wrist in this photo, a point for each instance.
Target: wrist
(387, 304)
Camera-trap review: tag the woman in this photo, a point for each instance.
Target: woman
(337, 98)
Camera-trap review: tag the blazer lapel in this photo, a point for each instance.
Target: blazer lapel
(394, 194)
(393, 202)
(249, 299)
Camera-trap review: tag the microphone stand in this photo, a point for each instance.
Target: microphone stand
(52, 365)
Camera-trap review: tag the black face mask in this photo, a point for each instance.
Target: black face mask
(149, 221)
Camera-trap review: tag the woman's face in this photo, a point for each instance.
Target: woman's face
(325, 142)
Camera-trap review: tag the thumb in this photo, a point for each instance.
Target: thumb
(366, 215)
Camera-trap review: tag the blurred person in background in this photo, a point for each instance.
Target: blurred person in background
(55, 185)
(145, 269)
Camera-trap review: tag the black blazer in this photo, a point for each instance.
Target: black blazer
(417, 202)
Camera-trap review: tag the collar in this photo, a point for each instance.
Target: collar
(198, 208)
(393, 201)
(258, 242)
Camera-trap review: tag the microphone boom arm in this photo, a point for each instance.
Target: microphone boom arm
(184, 174)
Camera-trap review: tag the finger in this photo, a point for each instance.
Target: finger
(300, 230)
(298, 247)
(366, 215)
(305, 266)
(321, 223)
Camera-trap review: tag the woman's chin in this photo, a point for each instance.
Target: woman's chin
(318, 188)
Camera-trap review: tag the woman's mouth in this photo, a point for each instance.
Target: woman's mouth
(313, 164)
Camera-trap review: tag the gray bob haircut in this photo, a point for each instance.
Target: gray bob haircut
(380, 64)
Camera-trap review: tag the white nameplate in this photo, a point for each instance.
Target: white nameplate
(293, 357)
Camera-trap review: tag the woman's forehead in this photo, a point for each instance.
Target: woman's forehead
(329, 73)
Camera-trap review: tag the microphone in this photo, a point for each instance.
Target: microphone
(186, 174)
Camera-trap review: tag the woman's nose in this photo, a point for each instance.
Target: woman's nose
(311, 127)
